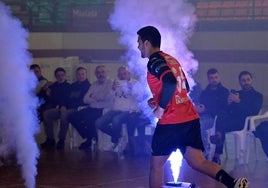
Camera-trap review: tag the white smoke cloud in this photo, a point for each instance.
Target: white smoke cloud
(18, 120)
(175, 21)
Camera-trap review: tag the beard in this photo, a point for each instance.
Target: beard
(247, 87)
(143, 55)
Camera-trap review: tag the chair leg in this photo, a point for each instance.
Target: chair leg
(74, 137)
(71, 138)
(225, 148)
(255, 149)
(208, 145)
(243, 145)
(240, 149)
(248, 142)
(237, 148)
(211, 150)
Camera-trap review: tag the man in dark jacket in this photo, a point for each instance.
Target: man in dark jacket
(40, 90)
(68, 100)
(242, 103)
(212, 101)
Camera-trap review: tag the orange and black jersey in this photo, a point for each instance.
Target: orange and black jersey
(159, 68)
(169, 87)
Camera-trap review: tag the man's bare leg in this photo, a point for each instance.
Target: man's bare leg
(156, 171)
(196, 160)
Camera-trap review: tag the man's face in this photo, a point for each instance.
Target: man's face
(60, 76)
(37, 72)
(100, 74)
(81, 75)
(245, 82)
(214, 79)
(141, 47)
(123, 74)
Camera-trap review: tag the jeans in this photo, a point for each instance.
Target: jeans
(84, 122)
(50, 116)
(111, 123)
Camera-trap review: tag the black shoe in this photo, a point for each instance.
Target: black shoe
(60, 144)
(48, 144)
(85, 145)
(216, 160)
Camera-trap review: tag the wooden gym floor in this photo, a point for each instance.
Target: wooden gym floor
(98, 169)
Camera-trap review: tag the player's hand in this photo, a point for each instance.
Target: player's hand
(151, 103)
(158, 112)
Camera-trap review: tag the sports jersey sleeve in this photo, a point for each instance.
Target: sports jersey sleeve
(160, 69)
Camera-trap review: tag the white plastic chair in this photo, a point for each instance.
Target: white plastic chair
(254, 121)
(243, 137)
(211, 132)
(75, 138)
(240, 138)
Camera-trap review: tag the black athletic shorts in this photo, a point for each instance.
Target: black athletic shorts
(168, 138)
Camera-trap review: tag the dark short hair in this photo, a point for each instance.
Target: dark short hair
(81, 68)
(59, 69)
(151, 34)
(212, 71)
(242, 73)
(33, 66)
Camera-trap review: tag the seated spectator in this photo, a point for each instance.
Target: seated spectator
(124, 104)
(57, 98)
(242, 103)
(96, 99)
(66, 99)
(39, 90)
(137, 144)
(212, 101)
(262, 133)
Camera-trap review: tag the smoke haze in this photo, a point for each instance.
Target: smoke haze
(18, 120)
(175, 21)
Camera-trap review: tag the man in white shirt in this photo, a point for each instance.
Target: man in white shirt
(97, 98)
(124, 104)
